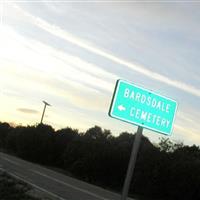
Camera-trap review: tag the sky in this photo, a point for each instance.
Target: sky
(70, 54)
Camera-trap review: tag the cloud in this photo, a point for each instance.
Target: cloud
(79, 84)
(10, 92)
(57, 31)
(28, 111)
(190, 134)
(50, 62)
(53, 74)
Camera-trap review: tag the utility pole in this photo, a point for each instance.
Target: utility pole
(45, 105)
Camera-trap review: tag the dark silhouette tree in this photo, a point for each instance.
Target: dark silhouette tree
(5, 128)
(169, 170)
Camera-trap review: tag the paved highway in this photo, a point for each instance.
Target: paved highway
(54, 184)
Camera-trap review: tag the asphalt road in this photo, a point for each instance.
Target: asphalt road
(54, 184)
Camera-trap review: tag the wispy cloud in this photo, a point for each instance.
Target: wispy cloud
(52, 62)
(57, 31)
(77, 85)
(50, 72)
(28, 111)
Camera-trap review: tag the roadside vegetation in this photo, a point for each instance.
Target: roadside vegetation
(12, 189)
(167, 171)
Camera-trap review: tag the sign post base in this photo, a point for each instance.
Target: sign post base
(132, 163)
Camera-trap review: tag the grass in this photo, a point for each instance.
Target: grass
(12, 189)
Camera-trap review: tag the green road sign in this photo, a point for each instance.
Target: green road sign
(143, 107)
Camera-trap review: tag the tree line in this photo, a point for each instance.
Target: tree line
(166, 171)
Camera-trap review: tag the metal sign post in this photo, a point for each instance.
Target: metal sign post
(132, 163)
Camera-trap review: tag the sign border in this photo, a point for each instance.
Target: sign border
(110, 113)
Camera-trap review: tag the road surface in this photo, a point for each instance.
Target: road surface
(54, 184)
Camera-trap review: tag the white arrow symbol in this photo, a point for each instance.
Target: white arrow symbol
(121, 108)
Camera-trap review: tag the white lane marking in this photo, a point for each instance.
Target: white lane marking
(74, 187)
(35, 186)
(11, 161)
